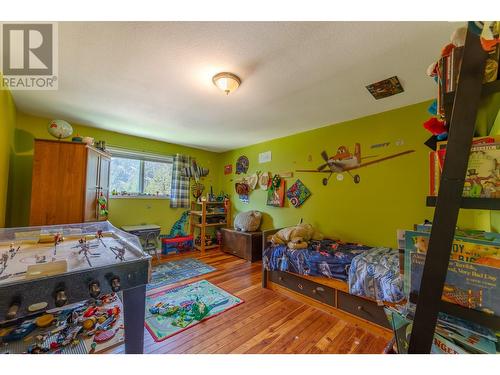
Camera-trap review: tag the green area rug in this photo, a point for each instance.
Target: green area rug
(174, 310)
(177, 270)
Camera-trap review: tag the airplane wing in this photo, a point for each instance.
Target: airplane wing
(379, 160)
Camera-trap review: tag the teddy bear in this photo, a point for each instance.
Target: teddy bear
(296, 237)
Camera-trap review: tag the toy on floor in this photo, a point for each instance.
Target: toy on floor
(68, 327)
(178, 229)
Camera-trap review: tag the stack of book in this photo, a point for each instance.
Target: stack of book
(483, 171)
(452, 335)
(472, 281)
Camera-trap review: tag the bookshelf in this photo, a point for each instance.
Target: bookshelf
(460, 112)
(471, 203)
(200, 212)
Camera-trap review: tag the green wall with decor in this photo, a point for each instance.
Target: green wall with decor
(123, 211)
(7, 125)
(391, 194)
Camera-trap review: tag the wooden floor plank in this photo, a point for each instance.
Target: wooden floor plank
(267, 322)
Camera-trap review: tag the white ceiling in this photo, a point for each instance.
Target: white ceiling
(154, 79)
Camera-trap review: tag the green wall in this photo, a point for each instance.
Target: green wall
(122, 211)
(391, 194)
(7, 125)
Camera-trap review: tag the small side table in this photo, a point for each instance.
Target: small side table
(148, 234)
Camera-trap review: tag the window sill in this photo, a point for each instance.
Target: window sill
(144, 197)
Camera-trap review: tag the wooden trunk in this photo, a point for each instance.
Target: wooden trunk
(246, 245)
(67, 180)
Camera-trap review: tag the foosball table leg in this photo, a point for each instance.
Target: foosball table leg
(134, 308)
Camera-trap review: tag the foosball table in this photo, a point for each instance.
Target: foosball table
(43, 268)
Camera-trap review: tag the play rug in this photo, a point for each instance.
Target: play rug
(171, 311)
(178, 270)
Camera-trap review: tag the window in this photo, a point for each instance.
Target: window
(135, 174)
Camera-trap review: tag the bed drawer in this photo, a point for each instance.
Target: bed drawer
(308, 288)
(363, 308)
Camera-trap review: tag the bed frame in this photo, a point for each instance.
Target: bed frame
(329, 295)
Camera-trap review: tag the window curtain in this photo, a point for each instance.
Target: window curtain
(179, 193)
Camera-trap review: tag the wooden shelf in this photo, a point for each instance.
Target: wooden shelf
(471, 203)
(199, 213)
(199, 225)
(476, 316)
(209, 203)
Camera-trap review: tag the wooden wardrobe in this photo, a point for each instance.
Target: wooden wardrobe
(68, 178)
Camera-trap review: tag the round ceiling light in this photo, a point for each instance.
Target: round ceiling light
(227, 82)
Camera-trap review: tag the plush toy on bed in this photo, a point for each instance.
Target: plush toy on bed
(247, 221)
(296, 237)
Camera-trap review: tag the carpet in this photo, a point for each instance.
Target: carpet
(171, 311)
(178, 270)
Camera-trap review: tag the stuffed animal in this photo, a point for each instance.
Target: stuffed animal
(247, 221)
(296, 237)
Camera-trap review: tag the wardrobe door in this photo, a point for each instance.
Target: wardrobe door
(92, 185)
(104, 169)
(43, 195)
(70, 183)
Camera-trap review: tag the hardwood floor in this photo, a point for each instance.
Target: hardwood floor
(268, 322)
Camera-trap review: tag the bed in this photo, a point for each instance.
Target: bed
(354, 278)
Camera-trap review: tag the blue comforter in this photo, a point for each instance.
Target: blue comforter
(370, 272)
(375, 274)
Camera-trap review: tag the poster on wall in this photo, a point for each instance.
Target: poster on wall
(276, 192)
(297, 194)
(265, 157)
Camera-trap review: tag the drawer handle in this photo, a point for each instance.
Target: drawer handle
(318, 289)
(360, 308)
(280, 278)
(300, 286)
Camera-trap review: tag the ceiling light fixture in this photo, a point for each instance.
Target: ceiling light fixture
(227, 82)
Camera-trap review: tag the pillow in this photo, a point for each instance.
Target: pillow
(247, 221)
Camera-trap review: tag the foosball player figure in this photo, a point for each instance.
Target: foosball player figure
(57, 240)
(100, 237)
(5, 258)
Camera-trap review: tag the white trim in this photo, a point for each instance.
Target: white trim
(119, 152)
(145, 197)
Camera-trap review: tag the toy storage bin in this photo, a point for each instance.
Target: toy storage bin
(176, 244)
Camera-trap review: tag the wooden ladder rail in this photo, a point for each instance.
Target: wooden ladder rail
(461, 132)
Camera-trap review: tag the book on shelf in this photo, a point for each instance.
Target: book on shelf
(483, 171)
(452, 335)
(472, 280)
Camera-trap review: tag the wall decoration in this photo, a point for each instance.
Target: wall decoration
(298, 193)
(195, 171)
(264, 180)
(387, 87)
(265, 157)
(344, 161)
(276, 192)
(242, 165)
(243, 191)
(197, 190)
(228, 169)
(253, 180)
(379, 145)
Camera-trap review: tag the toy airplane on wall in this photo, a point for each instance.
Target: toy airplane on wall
(344, 161)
